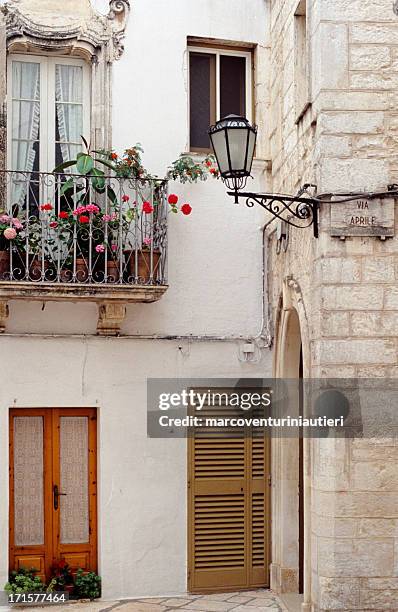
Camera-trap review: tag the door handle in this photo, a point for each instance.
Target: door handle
(56, 495)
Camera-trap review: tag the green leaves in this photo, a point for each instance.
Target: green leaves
(112, 195)
(98, 180)
(67, 186)
(85, 143)
(84, 164)
(130, 214)
(65, 165)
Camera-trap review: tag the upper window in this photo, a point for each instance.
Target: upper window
(49, 101)
(220, 84)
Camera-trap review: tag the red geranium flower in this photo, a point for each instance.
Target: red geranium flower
(208, 163)
(173, 199)
(84, 219)
(63, 214)
(125, 198)
(147, 207)
(113, 155)
(213, 171)
(46, 206)
(186, 209)
(53, 224)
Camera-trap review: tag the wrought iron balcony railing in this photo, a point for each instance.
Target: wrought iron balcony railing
(84, 231)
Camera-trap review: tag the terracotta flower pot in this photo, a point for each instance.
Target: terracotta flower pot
(81, 269)
(4, 264)
(113, 271)
(65, 275)
(69, 588)
(35, 268)
(143, 264)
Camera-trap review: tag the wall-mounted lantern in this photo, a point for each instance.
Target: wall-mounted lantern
(233, 140)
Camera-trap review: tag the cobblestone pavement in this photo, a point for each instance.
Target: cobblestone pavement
(244, 601)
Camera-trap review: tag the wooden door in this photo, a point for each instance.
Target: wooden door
(228, 511)
(53, 501)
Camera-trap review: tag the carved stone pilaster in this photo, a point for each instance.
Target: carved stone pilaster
(110, 318)
(3, 315)
(3, 112)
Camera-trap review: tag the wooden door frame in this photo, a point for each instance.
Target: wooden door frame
(190, 515)
(51, 527)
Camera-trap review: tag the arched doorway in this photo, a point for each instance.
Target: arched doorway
(290, 547)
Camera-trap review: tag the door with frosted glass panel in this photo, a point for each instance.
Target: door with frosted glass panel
(53, 509)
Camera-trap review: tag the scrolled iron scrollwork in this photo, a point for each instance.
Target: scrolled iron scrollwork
(296, 211)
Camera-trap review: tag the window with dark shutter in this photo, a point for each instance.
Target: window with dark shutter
(219, 85)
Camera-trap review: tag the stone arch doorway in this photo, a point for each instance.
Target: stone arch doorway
(290, 457)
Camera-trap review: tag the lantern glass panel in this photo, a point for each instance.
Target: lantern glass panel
(237, 139)
(250, 152)
(220, 148)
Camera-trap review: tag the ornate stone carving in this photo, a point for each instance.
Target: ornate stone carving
(118, 15)
(3, 315)
(291, 287)
(110, 318)
(33, 25)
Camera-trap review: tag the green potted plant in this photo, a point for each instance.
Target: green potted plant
(87, 585)
(186, 170)
(84, 224)
(40, 243)
(24, 580)
(10, 228)
(9, 235)
(62, 577)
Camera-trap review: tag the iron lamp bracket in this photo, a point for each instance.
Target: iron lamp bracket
(297, 211)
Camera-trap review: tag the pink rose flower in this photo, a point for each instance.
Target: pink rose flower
(147, 241)
(100, 248)
(10, 233)
(114, 247)
(4, 219)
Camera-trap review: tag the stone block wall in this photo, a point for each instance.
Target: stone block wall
(345, 140)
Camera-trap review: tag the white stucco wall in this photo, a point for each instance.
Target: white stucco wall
(142, 482)
(215, 276)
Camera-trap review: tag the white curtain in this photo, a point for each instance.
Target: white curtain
(25, 121)
(69, 105)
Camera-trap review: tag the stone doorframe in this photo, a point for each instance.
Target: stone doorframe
(292, 336)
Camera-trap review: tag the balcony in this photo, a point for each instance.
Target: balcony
(82, 238)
